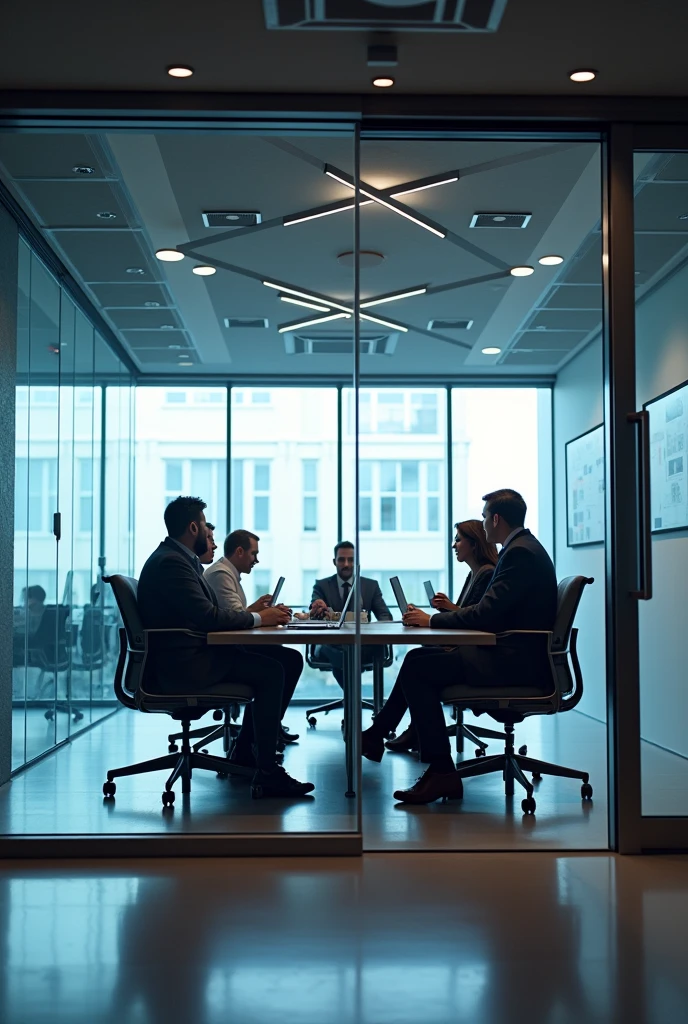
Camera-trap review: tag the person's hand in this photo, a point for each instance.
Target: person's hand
(286, 609)
(415, 617)
(260, 603)
(278, 616)
(442, 603)
(318, 609)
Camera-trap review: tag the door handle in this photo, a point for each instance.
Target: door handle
(57, 525)
(642, 420)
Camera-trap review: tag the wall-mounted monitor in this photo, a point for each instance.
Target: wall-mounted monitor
(668, 453)
(585, 488)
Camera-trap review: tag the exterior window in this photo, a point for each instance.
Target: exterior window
(175, 397)
(310, 495)
(205, 478)
(261, 495)
(399, 496)
(396, 412)
(39, 477)
(85, 481)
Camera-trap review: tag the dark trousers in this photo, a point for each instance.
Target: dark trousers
(289, 663)
(424, 673)
(335, 655)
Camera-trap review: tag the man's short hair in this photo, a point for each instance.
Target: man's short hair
(342, 544)
(36, 593)
(180, 512)
(508, 504)
(238, 539)
(209, 526)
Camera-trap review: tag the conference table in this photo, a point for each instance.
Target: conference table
(375, 634)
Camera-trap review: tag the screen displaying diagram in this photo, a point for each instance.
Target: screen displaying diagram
(668, 450)
(585, 488)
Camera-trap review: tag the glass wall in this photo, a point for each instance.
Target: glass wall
(63, 643)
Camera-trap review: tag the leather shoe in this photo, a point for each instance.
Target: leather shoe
(372, 745)
(404, 744)
(278, 783)
(432, 786)
(287, 737)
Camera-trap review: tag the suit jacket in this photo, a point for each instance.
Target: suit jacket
(372, 600)
(522, 594)
(475, 586)
(173, 595)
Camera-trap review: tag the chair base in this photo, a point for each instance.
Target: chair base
(181, 766)
(333, 705)
(227, 732)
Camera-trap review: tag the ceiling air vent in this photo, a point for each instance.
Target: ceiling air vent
(339, 344)
(231, 219)
(500, 220)
(450, 325)
(385, 15)
(247, 322)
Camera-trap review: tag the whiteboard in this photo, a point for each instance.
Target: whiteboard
(668, 452)
(585, 488)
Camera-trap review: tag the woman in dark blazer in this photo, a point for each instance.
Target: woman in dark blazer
(472, 548)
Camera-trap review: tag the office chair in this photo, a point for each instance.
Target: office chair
(510, 705)
(136, 644)
(48, 651)
(323, 665)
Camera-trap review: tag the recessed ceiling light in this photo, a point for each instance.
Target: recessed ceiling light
(683, 216)
(83, 169)
(135, 270)
(107, 215)
(180, 71)
(583, 75)
(383, 81)
(522, 271)
(491, 351)
(169, 255)
(152, 305)
(166, 327)
(551, 261)
(204, 271)
(184, 362)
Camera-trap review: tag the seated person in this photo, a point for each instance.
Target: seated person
(522, 595)
(207, 558)
(224, 577)
(331, 593)
(27, 621)
(471, 547)
(173, 594)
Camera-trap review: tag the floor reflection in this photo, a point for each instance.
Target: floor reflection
(426, 938)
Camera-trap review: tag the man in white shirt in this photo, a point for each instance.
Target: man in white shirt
(224, 577)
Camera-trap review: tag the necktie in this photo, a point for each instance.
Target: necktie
(346, 587)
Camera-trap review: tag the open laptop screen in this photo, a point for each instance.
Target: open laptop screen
(278, 588)
(399, 594)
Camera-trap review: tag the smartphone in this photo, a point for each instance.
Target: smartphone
(429, 590)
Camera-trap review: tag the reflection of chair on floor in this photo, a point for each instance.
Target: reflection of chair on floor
(48, 651)
(136, 644)
(378, 665)
(512, 704)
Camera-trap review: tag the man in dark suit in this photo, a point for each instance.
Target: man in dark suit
(522, 595)
(172, 594)
(331, 593)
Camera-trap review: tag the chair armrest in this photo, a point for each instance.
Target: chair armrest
(525, 632)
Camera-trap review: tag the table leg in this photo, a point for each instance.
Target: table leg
(378, 680)
(350, 718)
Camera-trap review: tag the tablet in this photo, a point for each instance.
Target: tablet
(429, 590)
(276, 594)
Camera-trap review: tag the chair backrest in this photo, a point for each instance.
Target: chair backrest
(569, 593)
(131, 662)
(92, 634)
(49, 643)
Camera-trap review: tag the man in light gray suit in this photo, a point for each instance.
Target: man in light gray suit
(331, 593)
(224, 578)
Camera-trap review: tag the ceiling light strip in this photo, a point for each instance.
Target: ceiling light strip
(306, 295)
(393, 297)
(323, 211)
(378, 197)
(385, 323)
(422, 188)
(308, 305)
(312, 322)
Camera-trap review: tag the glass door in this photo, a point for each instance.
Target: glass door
(660, 212)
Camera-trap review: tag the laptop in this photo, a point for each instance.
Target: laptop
(399, 594)
(429, 590)
(318, 624)
(276, 594)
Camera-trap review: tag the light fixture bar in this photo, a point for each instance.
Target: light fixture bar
(421, 188)
(310, 323)
(323, 211)
(385, 323)
(308, 305)
(393, 297)
(378, 197)
(305, 295)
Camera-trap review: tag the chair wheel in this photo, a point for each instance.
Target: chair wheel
(217, 715)
(173, 748)
(528, 805)
(167, 797)
(523, 750)
(49, 714)
(312, 722)
(586, 791)
(109, 789)
(257, 792)
(391, 735)
(480, 752)
(537, 777)
(205, 750)
(222, 775)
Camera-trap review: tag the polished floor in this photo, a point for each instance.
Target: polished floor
(382, 939)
